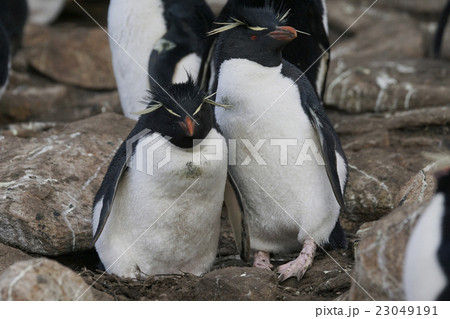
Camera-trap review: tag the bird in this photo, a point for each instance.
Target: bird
(4, 60)
(310, 52)
(13, 16)
(426, 275)
(43, 12)
(136, 27)
(293, 206)
(166, 221)
(179, 51)
(437, 43)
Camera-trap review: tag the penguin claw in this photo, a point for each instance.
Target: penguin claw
(262, 260)
(299, 266)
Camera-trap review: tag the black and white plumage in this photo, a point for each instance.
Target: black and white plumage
(437, 44)
(136, 28)
(272, 100)
(13, 15)
(427, 260)
(179, 51)
(181, 199)
(310, 53)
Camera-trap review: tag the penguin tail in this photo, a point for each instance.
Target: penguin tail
(338, 238)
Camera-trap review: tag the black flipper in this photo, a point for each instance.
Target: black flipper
(437, 44)
(116, 169)
(337, 239)
(237, 218)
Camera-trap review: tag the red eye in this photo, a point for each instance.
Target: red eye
(253, 37)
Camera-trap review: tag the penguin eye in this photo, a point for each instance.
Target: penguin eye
(198, 109)
(253, 37)
(172, 112)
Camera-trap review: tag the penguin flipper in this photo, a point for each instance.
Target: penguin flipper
(237, 218)
(329, 148)
(108, 189)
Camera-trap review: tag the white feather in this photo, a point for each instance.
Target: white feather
(423, 278)
(136, 25)
(303, 191)
(185, 238)
(190, 64)
(44, 11)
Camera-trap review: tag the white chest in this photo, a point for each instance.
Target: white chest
(279, 186)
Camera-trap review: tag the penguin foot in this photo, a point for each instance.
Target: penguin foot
(299, 266)
(262, 260)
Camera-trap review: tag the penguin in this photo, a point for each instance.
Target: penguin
(13, 16)
(166, 222)
(293, 205)
(437, 43)
(136, 27)
(179, 51)
(426, 275)
(310, 51)
(4, 60)
(43, 12)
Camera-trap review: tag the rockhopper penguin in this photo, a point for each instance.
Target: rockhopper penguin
(137, 27)
(166, 222)
(179, 51)
(427, 260)
(293, 202)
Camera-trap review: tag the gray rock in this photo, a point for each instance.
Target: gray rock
(9, 256)
(367, 86)
(380, 255)
(42, 279)
(48, 183)
(76, 56)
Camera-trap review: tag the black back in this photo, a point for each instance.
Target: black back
(444, 248)
(187, 23)
(4, 56)
(13, 15)
(437, 44)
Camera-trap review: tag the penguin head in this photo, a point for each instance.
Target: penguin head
(181, 112)
(256, 34)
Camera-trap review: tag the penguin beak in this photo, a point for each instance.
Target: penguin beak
(188, 126)
(285, 34)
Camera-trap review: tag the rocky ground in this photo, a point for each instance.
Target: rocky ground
(60, 123)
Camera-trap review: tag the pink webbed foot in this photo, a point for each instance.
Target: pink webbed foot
(299, 266)
(262, 260)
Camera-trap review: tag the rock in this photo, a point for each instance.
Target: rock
(419, 189)
(379, 257)
(77, 56)
(417, 7)
(368, 86)
(42, 279)
(32, 98)
(238, 284)
(48, 183)
(9, 256)
(384, 151)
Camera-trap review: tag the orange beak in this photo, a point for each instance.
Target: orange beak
(188, 126)
(285, 34)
